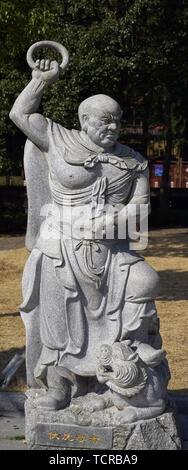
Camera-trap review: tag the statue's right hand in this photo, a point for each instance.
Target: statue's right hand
(46, 70)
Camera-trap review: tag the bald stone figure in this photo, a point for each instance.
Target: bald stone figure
(83, 289)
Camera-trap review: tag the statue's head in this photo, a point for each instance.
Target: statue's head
(100, 118)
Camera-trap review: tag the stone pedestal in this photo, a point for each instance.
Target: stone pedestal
(81, 427)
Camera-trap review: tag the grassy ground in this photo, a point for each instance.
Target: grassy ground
(167, 253)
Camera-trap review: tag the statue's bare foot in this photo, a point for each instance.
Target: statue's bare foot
(101, 402)
(54, 399)
(96, 404)
(128, 415)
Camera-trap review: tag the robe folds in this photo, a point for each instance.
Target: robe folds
(80, 290)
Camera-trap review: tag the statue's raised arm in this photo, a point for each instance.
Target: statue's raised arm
(35, 126)
(24, 111)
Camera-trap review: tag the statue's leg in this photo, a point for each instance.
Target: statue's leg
(139, 310)
(58, 395)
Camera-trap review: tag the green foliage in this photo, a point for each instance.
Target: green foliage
(133, 50)
(13, 217)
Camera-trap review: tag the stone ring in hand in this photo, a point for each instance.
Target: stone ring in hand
(52, 45)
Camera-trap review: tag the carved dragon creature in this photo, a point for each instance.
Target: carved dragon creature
(137, 376)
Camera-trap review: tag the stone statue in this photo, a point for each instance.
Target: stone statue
(85, 292)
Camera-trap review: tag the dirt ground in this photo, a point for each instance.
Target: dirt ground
(167, 253)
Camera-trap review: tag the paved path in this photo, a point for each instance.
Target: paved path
(12, 421)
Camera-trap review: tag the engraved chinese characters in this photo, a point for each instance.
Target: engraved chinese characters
(72, 436)
(69, 437)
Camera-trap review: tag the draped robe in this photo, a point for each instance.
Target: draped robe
(78, 290)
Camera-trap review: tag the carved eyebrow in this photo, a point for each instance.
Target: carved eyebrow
(106, 116)
(111, 116)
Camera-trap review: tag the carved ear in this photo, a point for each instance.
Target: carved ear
(129, 353)
(84, 122)
(85, 117)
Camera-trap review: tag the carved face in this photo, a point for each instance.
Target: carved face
(103, 128)
(119, 368)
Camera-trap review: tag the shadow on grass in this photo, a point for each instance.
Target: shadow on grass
(173, 285)
(166, 244)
